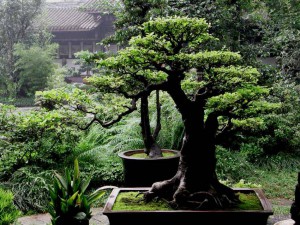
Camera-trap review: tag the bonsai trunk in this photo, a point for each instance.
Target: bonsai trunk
(152, 149)
(195, 185)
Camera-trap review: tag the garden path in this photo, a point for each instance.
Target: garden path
(99, 219)
(45, 219)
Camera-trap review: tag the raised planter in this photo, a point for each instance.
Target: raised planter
(143, 172)
(189, 217)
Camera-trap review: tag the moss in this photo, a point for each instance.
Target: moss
(144, 155)
(249, 202)
(132, 201)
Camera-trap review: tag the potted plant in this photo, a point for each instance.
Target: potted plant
(121, 204)
(210, 89)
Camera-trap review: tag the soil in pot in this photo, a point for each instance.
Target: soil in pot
(133, 201)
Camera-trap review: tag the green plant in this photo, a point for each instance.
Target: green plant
(232, 165)
(69, 203)
(34, 138)
(8, 211)
(30, 188)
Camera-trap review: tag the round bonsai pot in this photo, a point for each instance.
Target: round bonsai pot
(143, 172)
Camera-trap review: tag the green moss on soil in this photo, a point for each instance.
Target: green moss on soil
(131, 201)
(249, 202)
(143, 155)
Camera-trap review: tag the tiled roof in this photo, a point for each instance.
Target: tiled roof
(71, 19)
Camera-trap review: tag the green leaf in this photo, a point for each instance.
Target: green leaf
(71, 200)
(61, 180)
(76, 170)
(84, 185)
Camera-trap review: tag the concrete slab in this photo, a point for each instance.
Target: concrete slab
(285, 222)
(45, 219)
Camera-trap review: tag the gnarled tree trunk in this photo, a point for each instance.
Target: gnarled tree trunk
(195, 185)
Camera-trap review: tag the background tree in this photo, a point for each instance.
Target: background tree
(217, 89)
(34, 65)
(282, 35)
(237, 23)
(17, 18)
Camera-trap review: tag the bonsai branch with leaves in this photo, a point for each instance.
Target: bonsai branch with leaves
(208, 88)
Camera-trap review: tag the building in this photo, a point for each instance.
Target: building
(77, 26)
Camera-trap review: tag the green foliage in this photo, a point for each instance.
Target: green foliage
(57, 78)
(8, 211)
(171, 50)
(104, 6)
(69, 203)
(34, 71)
(238, 24)
(130, 15)
(252, 152)
(278, 131)
(232, 166)
(16, 26)
(30, 188)
(33, 138)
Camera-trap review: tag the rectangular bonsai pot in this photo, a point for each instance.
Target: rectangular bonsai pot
(189, 217)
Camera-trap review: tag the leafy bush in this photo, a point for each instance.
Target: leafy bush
(252, 152)
(232, 165)
(35, 138)
(30, 188)
(69, 203)
(34, 70)
(8, 211)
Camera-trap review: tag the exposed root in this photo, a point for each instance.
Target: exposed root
(163, 189)
(179, 197)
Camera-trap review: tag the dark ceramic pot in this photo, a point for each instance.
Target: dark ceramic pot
(189, 217)
(143, 172)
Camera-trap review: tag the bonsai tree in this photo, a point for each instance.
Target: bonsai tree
(210, 89)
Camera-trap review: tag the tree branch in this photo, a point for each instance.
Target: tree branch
(110, 123)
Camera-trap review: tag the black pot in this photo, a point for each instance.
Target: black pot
(143, 172)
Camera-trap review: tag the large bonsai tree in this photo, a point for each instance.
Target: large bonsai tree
(210, 89)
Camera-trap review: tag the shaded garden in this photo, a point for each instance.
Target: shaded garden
(256, 138)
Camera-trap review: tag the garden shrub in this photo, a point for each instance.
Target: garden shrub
(232, 165)
(30, 188)
(35, 138)
(8, 211)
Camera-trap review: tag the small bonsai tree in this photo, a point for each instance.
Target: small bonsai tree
(210, 89)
